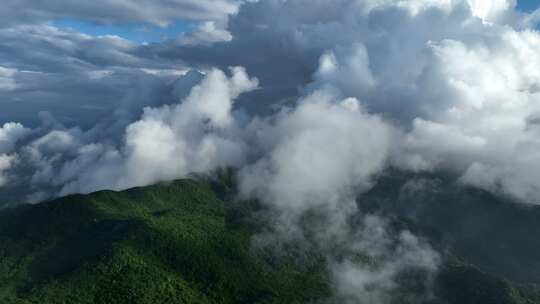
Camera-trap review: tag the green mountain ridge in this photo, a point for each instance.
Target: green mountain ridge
(160, 244)
(179, 242)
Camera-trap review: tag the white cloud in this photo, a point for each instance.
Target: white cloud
(460, 77)
(355, 66)
(206, 33)
(315, 159)
(6, 161)
(489, 10)
(154, 12)
(485, 116)
(169, 142)
(10, 133)
(7, 82)
(317, 155)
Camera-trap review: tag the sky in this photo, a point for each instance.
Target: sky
(448, 80)
(148, 33)
(528, 5)
(136, 32)
(308, 100)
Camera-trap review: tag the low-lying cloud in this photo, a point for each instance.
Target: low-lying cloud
(196, 135)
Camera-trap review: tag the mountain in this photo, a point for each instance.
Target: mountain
(167, 243)
(182, 242)
(493, 232)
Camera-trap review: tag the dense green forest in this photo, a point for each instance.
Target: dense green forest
(184, 242)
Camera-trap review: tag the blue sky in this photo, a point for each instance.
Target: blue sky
(139, 33)
(528, 5)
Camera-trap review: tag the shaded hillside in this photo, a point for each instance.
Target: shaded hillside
(496, 234)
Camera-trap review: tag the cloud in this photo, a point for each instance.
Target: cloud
(6, 161)
(206, 33)
(158, 13)
(317, 154)
(79, 79)
(487, 100)
(314, 160)
(168, 142)
(452, 85)
(460, 78)
(391, 256)
(7, 83)
(10, 134)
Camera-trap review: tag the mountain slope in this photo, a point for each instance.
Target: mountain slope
(495, 233)
(159, 244)
(181, 243)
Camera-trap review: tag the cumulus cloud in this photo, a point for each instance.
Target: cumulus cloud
(317, 154)
(6, 162)
(487, 100)
(459, 77)
(10, 134)
(168, 142)
(466, 92)
(206, 33)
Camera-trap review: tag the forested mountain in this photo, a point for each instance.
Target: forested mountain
(189, 242)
